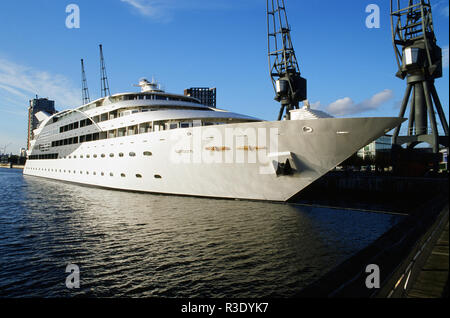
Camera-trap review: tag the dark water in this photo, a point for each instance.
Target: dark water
(143, 245)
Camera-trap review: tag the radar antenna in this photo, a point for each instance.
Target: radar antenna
(84, 88)
(419, 60)
(104, 78)
(289, 86)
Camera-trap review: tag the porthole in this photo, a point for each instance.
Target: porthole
(103, 155)
(102, 174)
(147, 153)
(120, 154)
(111, 174)
(88, 156)
(81, 156)
(95, 156)
(157, 176)
(132, 154)
(95, 173)
(307, 129)
(111, 155)
(74, 157)
(122, 175)
(138, 176)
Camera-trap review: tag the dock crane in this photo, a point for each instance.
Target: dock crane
(84, 88)
(419, 60)
(289, 86)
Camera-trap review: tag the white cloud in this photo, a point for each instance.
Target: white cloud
(163, 10)
(346, 106)
(21, 83)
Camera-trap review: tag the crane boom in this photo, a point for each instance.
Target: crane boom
(289, 86)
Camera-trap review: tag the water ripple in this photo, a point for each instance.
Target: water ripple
(143, 245)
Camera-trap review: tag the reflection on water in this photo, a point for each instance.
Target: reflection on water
(144, 245)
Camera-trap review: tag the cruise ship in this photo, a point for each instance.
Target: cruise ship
(157, 142)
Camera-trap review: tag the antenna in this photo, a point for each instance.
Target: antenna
(289, 86)
(103, 79)
(84, 88)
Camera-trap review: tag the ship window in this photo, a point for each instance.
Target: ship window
(61, 129)
(70, 126)
(173, 126)
(111, 174)
(145, 128)
(132, 154)
(82, 138)
(95, 156)
(132, 130)
(75, 140)
(121, 132)
(138, 175)
(87, 172)
(88, 156)
(81, 156)
(74, 157)
(147, 153)
(111, 155)
(104, 117)
(157, 176)
(102, 173)
(112, 133)
(82, 123)
(96, 118)
(122, 175)
(88, 122)
(95, 173)
(103, 155)
(113, 114)
(185, 125)
(95, 136)
(120, 154)
(88, 137)
(75, 125)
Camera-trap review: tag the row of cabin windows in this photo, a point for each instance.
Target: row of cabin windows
(140, 97)
(103, 117)
(55, 155)
(75, 125)
(43, 156)
(129, 131)
(111, 174)
(120, 154)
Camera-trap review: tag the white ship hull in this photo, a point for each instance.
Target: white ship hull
(206, 161)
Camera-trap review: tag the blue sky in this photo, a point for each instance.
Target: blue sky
(216, 43)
